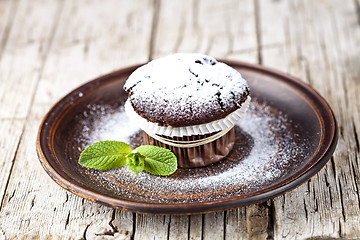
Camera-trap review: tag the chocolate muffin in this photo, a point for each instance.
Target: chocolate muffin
(188, 103)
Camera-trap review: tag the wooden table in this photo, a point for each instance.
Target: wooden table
(47, 48)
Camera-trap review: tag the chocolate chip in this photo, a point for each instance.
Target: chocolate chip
(196, 75)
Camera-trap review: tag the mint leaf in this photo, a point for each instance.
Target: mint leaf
(158, 160)
(135, 162)
(105, 155)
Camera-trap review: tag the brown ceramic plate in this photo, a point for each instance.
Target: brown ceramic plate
(288, 135)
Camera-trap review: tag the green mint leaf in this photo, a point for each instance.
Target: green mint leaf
(158, 161)
(105, 155)
(135, 162)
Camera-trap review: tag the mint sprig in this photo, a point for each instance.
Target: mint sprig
(106, 155)
(158, 161)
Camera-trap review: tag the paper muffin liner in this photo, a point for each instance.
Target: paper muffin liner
(202, 129)
(199, 156)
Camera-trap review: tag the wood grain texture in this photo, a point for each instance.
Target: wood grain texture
(24, 53)
(9, 144)
(209, 27)
(315, 46)
(20, 61)
(152, 227)
(77, 51)
(8, 10)
(49, 47)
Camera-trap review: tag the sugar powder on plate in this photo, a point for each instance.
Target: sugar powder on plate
(273, 148)
(106, 124)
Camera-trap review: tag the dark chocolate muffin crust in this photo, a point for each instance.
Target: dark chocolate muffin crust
(185, 89)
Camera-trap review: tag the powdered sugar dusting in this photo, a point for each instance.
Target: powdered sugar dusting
(185, 88)
(268, 149)
(106, 124)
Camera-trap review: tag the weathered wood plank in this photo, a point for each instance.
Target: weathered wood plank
(196, 229)
(235, 224)
(23, 55)
(314, 50)
(213, 226)
(258, 219)
(112, 224)
(7, 13)
(179, 227)
(273, 34)
(25, 212)
(11, 131)
(102, 38)
(219, 28)
(251, 222)
(19, 71)
(152, 227)
(91, 38)
(24, 30)
(19, 64)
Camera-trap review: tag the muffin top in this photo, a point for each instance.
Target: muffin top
(185, 89)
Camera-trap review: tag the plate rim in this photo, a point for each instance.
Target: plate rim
(193, 207)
